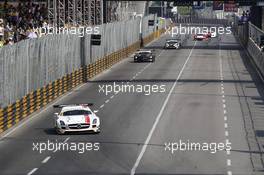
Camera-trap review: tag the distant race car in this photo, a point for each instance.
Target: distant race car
(200, 37)
(172, 44)
(144, 55)
(76, 117)
(209, 35)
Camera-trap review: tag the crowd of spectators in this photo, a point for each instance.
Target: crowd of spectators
(18, 21)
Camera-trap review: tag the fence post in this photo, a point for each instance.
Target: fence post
(82, 57)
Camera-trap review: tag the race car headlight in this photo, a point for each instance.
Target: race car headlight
(94, 121)
(62, 123)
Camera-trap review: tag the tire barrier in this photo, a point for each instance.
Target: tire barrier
(14, 113)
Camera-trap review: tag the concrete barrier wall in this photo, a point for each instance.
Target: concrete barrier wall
(115, 36)
(60, 73)
(147, 30)
(31, 64)
(249, 36)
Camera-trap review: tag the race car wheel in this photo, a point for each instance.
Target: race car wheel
(60, 132)
(97, 131)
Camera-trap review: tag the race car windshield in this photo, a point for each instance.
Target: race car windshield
(172, 42)
(144, 53)
(76, 112)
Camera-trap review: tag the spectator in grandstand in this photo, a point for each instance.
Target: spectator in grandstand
(20, 20)
(2, 32)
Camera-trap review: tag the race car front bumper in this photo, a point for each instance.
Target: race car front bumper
(142, 59)
(171, 47)
(77, 128)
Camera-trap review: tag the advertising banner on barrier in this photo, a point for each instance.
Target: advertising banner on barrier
(231, 6)
(218, 5)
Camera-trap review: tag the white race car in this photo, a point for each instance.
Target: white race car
(172, 44)
(76, 117)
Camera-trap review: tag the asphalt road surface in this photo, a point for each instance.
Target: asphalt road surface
(202, 103)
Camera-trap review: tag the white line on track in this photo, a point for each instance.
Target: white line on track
(46, 159)
(228, 162)
(107, 101)
(102, 106)
(66, 140)
(112, 96)
(32, 171)
(226, 133)
(133, 170)
(226, 125)
(229, 172)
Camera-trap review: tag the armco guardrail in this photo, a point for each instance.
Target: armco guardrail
(250, 37)
(254, 46)
(256, 54)
(40, 97)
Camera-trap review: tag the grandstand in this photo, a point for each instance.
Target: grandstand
(20, 19)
